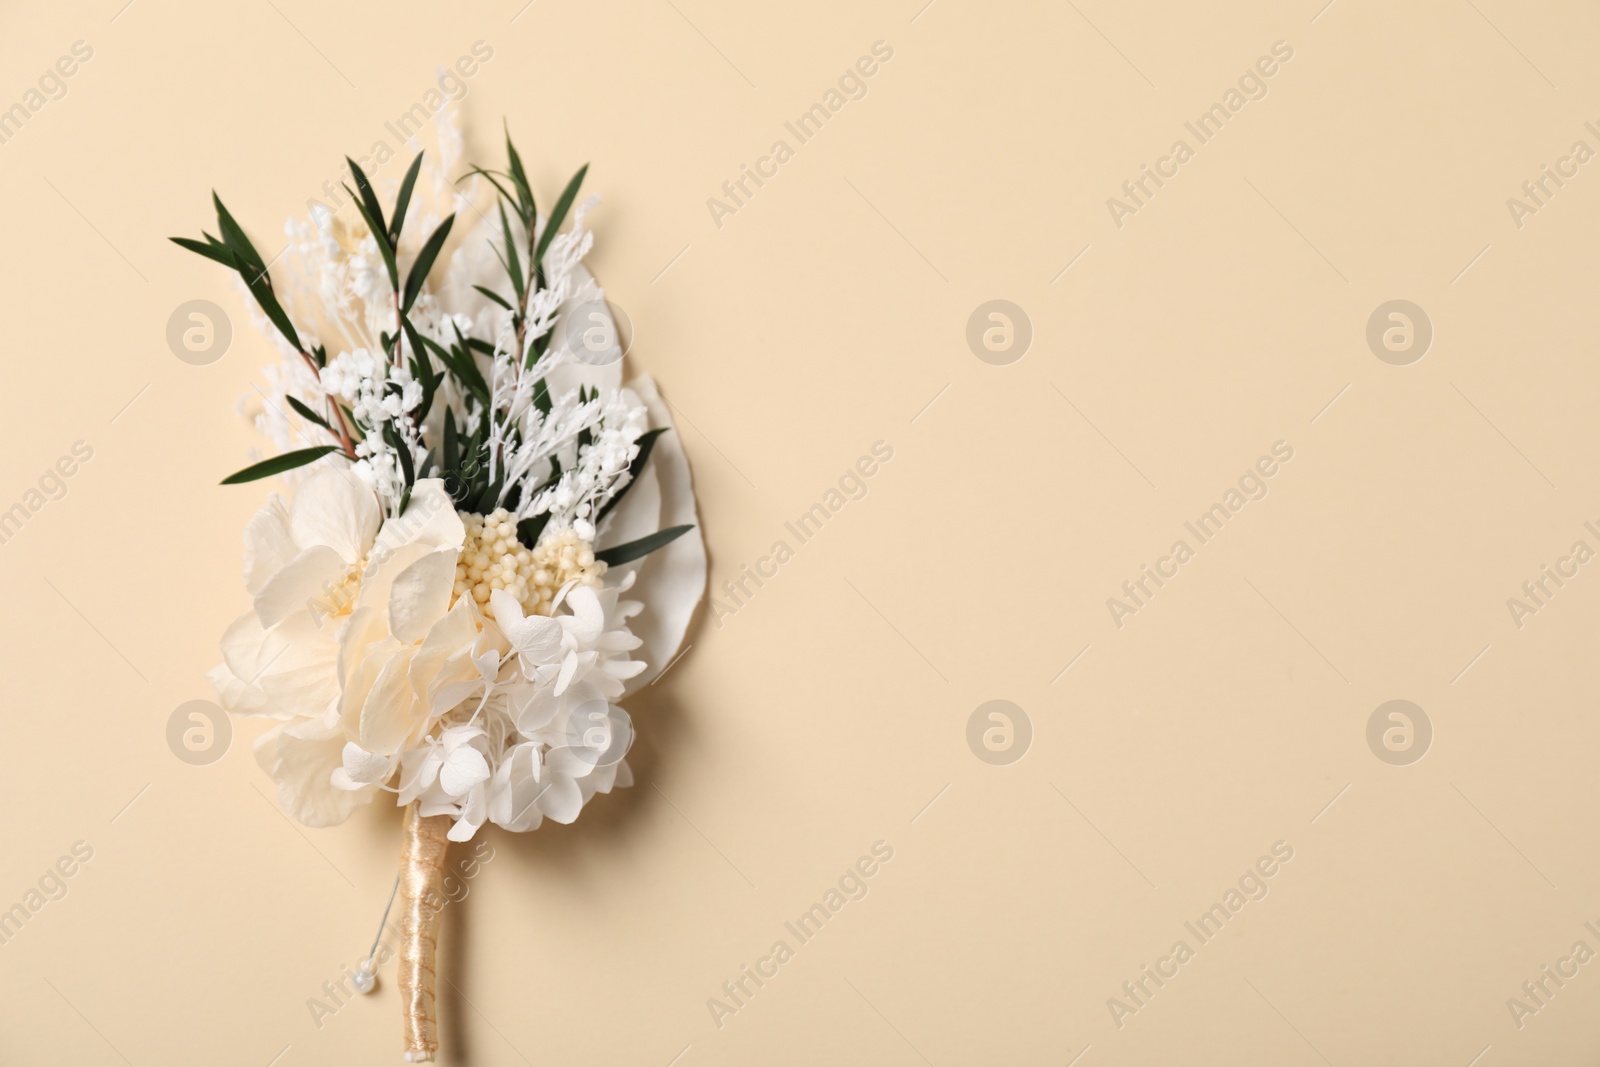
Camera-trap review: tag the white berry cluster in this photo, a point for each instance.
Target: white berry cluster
(492, 558)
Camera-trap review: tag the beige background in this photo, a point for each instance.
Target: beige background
(830, 712)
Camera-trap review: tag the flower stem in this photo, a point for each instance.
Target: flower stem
(421, 901)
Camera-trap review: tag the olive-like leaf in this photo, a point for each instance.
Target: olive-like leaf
(392, 436)
(278, 464)
(375, 224)
(234, 237)
(627, 553)
(369, 198)
(310, 416)
(490, 293)
(217, 252)
(512, 264)
(261, 289)
(403, 201)
(424, 263)
(559, 214)
(520, 177)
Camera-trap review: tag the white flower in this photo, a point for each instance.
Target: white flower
(329, 585)
(450, 776)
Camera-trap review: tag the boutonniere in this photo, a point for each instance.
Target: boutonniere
(488, 539)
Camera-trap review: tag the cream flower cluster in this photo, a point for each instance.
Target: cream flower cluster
(492, 558)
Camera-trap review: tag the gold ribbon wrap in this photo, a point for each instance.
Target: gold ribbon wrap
(421, 901)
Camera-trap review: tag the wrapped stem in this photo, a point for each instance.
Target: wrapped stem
(421, 901)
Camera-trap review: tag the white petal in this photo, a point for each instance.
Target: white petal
(388, 716)
(333, 508)
(421, 595)
(301, 757)
(430, 521)
(463, 828)
(444, 662)
(419, 769)
(515, 790)
(268, 544)
(561, 799)
(569, 667)
(588, 619)
(290, 665)
(364, 767)
(463, 769)
(305, 582)
(536, 638)
(233, 694)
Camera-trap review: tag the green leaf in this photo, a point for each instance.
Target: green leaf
(233, 236)
(217, 252)
(493, 180)
(278, 464)
(486, 499)
(643, 547)
(529, 529)
(452, 448)
(541, 397)
(375, 224)
(403, 201)
(513, 264)
(559, 215)
(370, 199)
(309, 415)
(520, 177)
(422, 370)
(490, 293)
(350, 422)
(392, 436)
(424, 263)
(647, 441)
(261, 289)
(465, 368)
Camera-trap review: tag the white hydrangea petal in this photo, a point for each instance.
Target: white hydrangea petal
(514, 792)
(367, 768)
(387, 715)
(289, 665)
(310, 581)
(268, 544)
(233, 693)
(333, 508)
(588, 620)
(419, 769)
(474, 811)
(301, 758)
(430, 521)
(463, 768)
(560, 799)
(421, 595)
